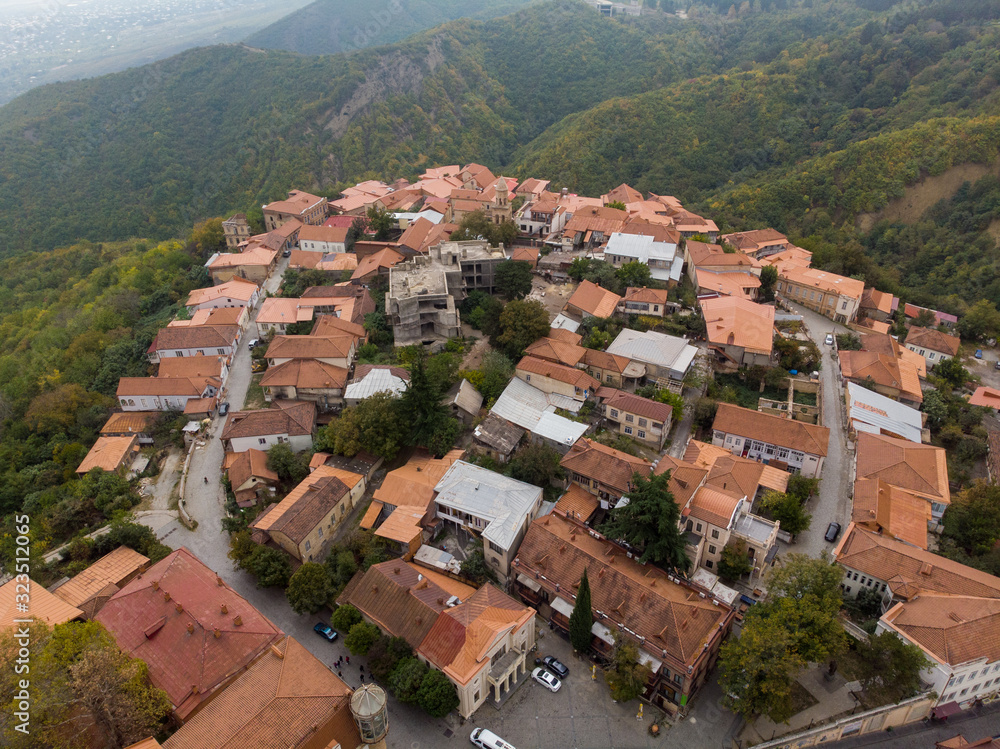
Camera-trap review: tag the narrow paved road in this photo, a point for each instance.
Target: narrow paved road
(836, 485)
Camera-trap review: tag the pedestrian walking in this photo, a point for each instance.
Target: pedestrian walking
(362, 668)
(362, 678)
(340, 675)
(348, 659)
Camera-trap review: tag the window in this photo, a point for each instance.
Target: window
(950, 697)
(607, 378)
(962, 693)
(642, 422)
(494, 548)
(844, 306)
(657, 425)
(143, 402)
(708, 563)
(930, 355)
(782, 453)
(475, 697)
(308, 545)
(678, 679)
(711, 549)
(628, 430)
(699, 528)
(321, 533)
(201, 352)
(629, 418)
(863, 579)
(641, 435)
(855, 576)
(261, 441)
(527, 378)
(973, 675)
(221, 351)
(715, 533)
(614, 413)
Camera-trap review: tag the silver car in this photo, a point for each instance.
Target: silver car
(547, 679)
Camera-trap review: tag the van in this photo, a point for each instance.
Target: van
(488, 740)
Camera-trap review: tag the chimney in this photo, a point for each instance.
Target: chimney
(217, 633)
(225, 610)
(166, 596)
(190, 628)
(156, 584)
(179, 608)
(218, 581)
(238, 620)
(277, 651)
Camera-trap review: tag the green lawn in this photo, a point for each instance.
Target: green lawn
(255, 394)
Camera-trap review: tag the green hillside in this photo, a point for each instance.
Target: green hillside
(149, 151)
(327, 27)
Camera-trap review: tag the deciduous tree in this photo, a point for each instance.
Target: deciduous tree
(512, 279)
(374, 425)
(890, 668)
(787, 510)
(407, 678)
(437, 695)
(361, 637)
(626, 676)
(309, 588)
(648, 521)
(521, 324)
(755, 671)
(634, 274)
(345, 617)
(768, 281)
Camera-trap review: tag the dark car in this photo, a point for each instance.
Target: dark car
(324, 630)
(555, 667)
(832, 531)
(286, 253)
(223, 408)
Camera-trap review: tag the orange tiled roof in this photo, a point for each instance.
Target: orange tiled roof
(933, 339)
(297, 420)
(298, 201)
(670, 616)
(564, 336)
(645, 295)
(578, 503)
(235, 288)
(729, 284)
(169, 617)
(310, 347)
(731, 321)
(776, 430)
(525, 255)
(605, 361)
(883, 370)
(413, 484)
(592, 218)
(114, 568)
(287, 698)
(880, 506)
(331, 325)
(910, 570)
(954, 629)
(569, 375)
(882, 343)
(208, 337)
(136, 422)
(557, 351)
(276, 310)
(331, 234)
(920, 469)
(250, 257)
(191, 366)
(375, 262)
(985, 396)
(824, 281)
(611, 467)
(108, 453)
(714, 505)
(308, 374)
(685, 479)
(756, 239)
(305, 506)
(241, 467)
(634, 404)
(728, 470)
(877, 300)
(594, 300)
(42, 605)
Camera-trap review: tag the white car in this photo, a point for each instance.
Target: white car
(547, 679)
(829, 339)
(488, 740)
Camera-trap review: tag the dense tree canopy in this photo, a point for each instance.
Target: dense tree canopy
(649, 522)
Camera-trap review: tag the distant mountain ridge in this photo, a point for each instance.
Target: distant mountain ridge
(328, 27)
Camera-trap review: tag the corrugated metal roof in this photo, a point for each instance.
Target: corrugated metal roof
(867, 407)
(658, 349)
(376, 381)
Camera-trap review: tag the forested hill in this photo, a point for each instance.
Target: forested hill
(149, 151)
(327, 27)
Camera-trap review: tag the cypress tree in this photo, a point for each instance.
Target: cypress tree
(582, 618)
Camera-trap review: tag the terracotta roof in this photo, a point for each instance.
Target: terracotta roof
(533, 186)
(880, 506)
(114, 568)
(286, 698)
(525, 255)
(634, 404)
(296, 421)
(872, 324)
(564, 336)
(460, 640)
(208, 337)
(645, 295)
(165, 386)
(882, 343)
(705, 254)
(877, 300)
(776, 430)
(670, 616)
(594, 300)
(236, 288)
(276, 310)
(172, 618)
(611, 467)
(660, 232)
(249, 257)
(108, 453)
(729, 284)
(305, 506)
(373, 263)
(605, 361)
(824, 281)
(685, 479)
(728, 471)
(920, 469)
(985, 396)
(403, 525)
(714, 505)
(445, 582)
(297, 202)
(149, 743)
(306, 259)
(557, 351)
(310, 347)
(398, 598)
(623, 193)
(136, 422)
(910, 570)
(333, 234)
(730, 321)
(331, 325)
(190, 366)
(413, 484)
(578, 503)
(570, 375)
(954, 629)
(933, 339)
(912, 310)
(755, 239)
(793, 257)
(592, 218)
(42, 605)
(308, 374)
(247, 465)
(886, 371)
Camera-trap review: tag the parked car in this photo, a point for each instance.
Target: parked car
(488, 740)
(286, 253)
(223, 408)
(832, 531)
(548, 680)
(829, 339)
(253, 343)
(979, 353)
(324, 630)
(555, 666)
(996, 364)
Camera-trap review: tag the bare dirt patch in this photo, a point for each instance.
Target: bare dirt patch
(925, 193)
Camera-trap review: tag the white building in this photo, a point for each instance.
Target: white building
(325, 239)
(793, 446)
(490, 505)
(868, 411)
(667, 358)
(662, 258)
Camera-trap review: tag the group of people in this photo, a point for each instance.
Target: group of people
(339, 663)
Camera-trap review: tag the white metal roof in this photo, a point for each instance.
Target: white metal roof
(565, 323)
(531, 409)
(872, 412)
(658, 349)
(376, 381)
(559, 429)
(643, 249)
(507, 504)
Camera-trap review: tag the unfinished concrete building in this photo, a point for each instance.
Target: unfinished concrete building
(425, 291)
